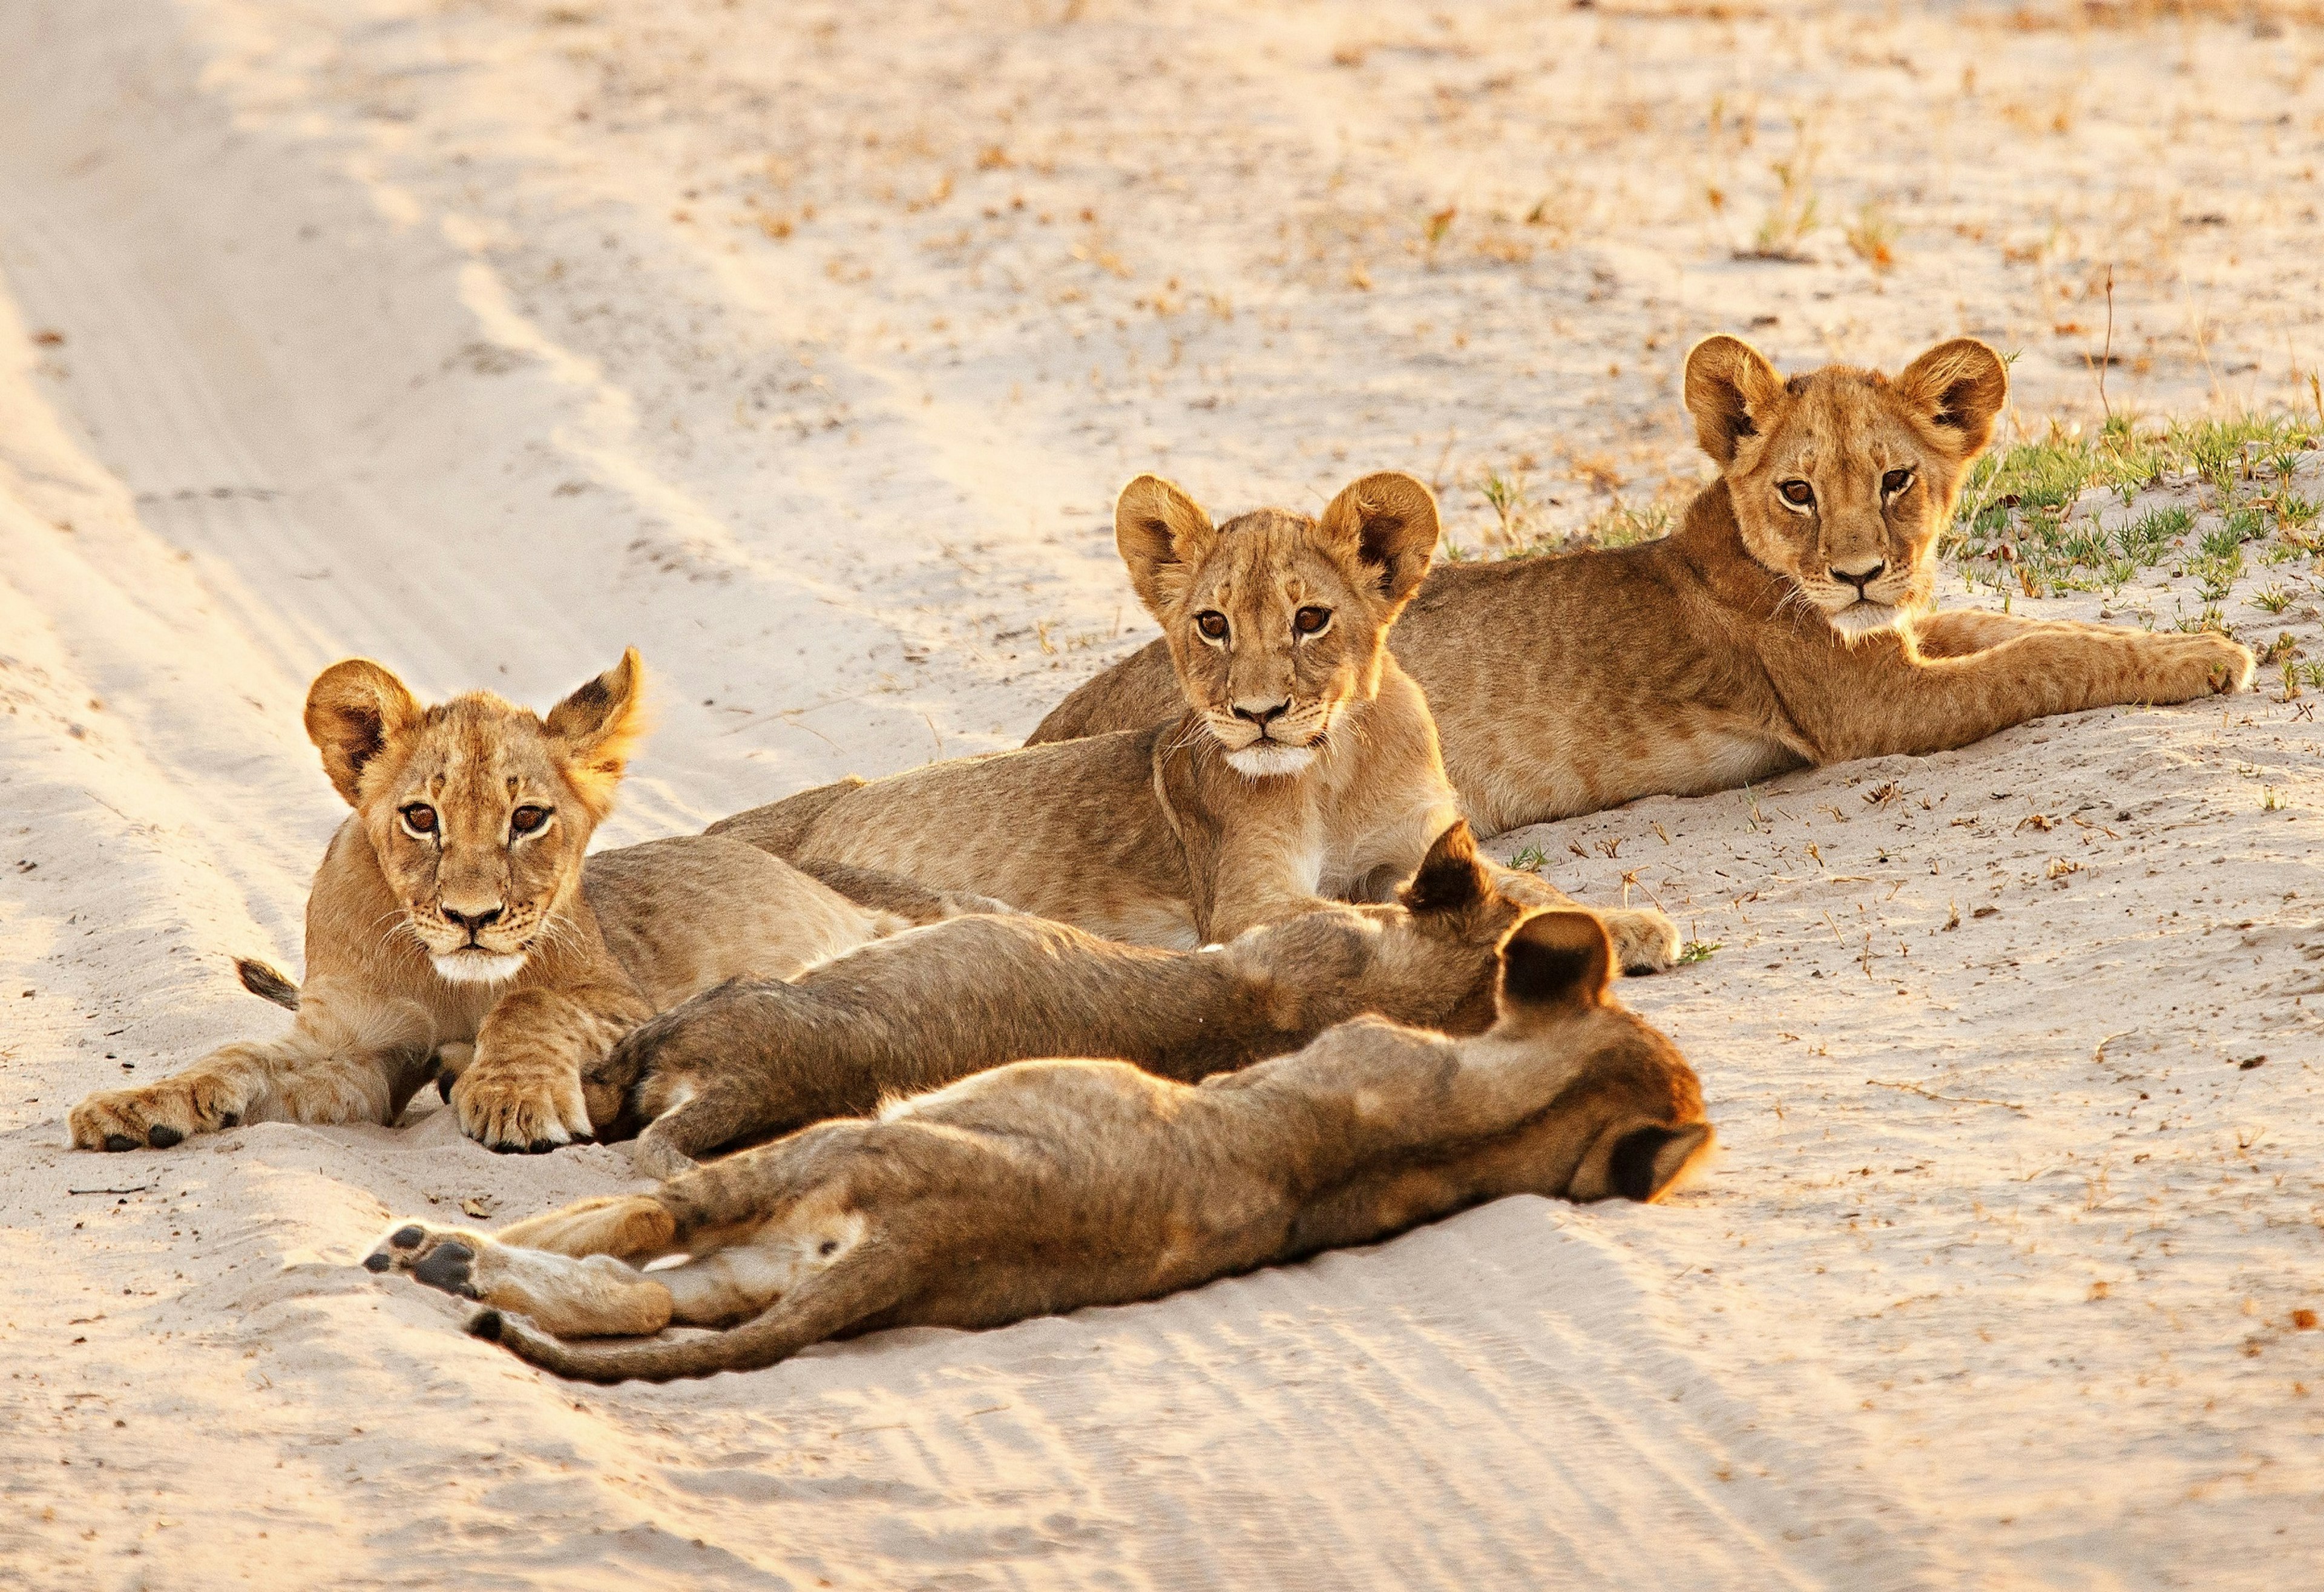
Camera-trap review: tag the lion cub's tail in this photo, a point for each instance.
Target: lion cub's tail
(266, 983)
(779, 827)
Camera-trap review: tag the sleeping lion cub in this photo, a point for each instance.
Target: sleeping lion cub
(930, 1005)
(1785, 623)
(452, 912)
(1290, 763)
(1042, 1187)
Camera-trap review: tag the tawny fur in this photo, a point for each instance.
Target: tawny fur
(924, 1008)
(1294, 763)
(1740, 645)
(397, 918)
(1046, 1186)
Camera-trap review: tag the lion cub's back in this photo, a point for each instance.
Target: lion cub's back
(1073, 832)
(683, 914)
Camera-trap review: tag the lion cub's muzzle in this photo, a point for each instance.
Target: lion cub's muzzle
(477, 945)
(1861, 604)
(1272, 742)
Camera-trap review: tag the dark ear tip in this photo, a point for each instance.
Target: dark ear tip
(1557, 958)
(1631, 1171)
(1650, 1160)
(1450, 875)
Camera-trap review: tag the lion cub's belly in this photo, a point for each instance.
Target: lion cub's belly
(1689, 764)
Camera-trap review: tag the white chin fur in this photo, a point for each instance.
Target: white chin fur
(1267, 759)
(468, 966)
(1866, 619)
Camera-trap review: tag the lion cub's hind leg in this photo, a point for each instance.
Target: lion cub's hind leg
(629, 1226)
(591, 1296)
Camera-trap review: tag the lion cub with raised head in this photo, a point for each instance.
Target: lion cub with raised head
(925, 1007)
(1785, 623)
(454, 910)
(1293, 764)
(1043, 1187)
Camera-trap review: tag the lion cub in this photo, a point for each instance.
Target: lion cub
(1785, 623)
(1045, 1186)
(1293, 763)
(454, 910)
(933, 1004)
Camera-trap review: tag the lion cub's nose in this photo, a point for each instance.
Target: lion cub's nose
(472, 922)
(1859, 578)
(1262, 716)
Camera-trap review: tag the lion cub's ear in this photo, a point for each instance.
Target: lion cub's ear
(596, 727)
(1161, 532)
(1554, 962)
(1389, 520)
(1958, 387)
(354, 709)
(1450, 876)
(1731, 391)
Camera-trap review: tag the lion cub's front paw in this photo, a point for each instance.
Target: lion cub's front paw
(533, 1109)
(1645, 940)
(2203, 664)
(2231, 664)
(160, 1114)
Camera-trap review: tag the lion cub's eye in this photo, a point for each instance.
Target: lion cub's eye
(1798, 494)
(418, 818)
(1310, 621)
(1212, 624)
(1894, 482)
(526, 820)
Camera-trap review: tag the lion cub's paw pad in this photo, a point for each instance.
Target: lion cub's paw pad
(450, 1267)
(441, 1260)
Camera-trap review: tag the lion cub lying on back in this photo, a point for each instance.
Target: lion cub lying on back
(1045, 1186)
(933, 1004)
(455, 909)
(1784, 623)
(1294, 764)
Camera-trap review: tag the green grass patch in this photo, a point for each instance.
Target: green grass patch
(2020, 503)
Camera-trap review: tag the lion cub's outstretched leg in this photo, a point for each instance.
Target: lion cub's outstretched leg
(556, 1271)
(1956, 632)
(588, 1296)
(2123, 665)
(343, 1062)
(826, 1303)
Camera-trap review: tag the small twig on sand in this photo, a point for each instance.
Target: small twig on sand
(1948, 1099)
(2097, 1051)
(140, 1188)
(1437, 476)
(2108, 355)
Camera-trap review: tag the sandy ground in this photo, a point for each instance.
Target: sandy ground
(805, 348)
